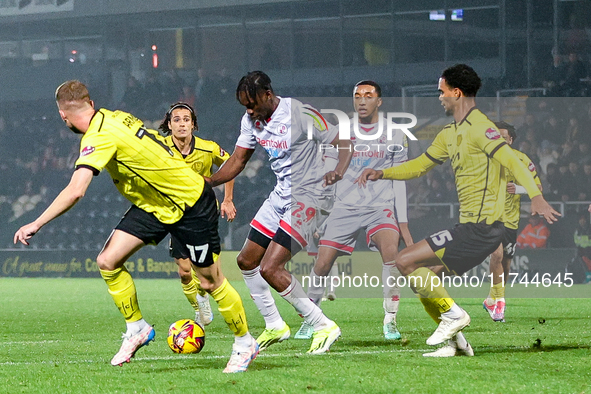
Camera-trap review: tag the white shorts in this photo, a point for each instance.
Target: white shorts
(343, 225)
(296, 216)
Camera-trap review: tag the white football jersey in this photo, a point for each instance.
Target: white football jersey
(378, 153)
(292, 150)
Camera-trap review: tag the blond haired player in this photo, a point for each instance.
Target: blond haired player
(167, 196)
(179, 124)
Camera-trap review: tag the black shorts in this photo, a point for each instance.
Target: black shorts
(509, 242)
(466, 245)
(194, 236)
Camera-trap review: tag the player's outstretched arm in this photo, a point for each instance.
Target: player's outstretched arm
(506, 157)
(232, 167)
(62, 203)
(369, 174)
(227, 208)
(411, 169)
(345, 149)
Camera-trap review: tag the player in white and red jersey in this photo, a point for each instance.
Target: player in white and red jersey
(285, 222)
(369, 209)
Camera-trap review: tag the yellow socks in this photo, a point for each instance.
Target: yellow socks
(428, 286)
(190, 290)
(122, 289)
(431, 309)
(231, 308)
(201, 292)
(496, 292)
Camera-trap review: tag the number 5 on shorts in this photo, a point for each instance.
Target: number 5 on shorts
(201, 249)
(441, 237)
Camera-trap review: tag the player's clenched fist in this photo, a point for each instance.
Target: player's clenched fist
(369, 174)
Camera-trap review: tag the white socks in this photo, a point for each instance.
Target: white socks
(391, 293)
(455, 312)
(261, 295)
(244, 341)
(316, 288)
(312, 314)
(136, 326)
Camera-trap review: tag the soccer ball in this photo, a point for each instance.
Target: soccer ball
(185, 336)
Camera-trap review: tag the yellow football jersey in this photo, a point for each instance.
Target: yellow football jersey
(203, 155)
(144, 168)
(513, 201)
(470, 146)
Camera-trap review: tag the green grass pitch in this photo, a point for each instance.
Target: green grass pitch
(58, 336)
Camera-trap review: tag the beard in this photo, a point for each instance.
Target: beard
(449, 112)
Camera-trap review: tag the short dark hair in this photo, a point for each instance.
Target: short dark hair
(370, 83)
(164, 125)
(463, 77)
(253, 83)
(509, 127)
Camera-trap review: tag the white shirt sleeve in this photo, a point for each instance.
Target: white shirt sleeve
(400, 201)
(246, 139)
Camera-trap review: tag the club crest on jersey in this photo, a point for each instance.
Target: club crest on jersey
(492, 134)
(459, 140)
(258, 125)
(87, 151)
(197, 166)
(282, 129)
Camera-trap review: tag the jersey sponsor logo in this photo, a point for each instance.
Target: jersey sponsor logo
(492, 134)
(374, 154)
(272, 144)
(282, 129)
(87, 151)
(531, 167)
(274, 148)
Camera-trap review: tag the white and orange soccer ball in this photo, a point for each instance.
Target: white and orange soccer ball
(185, 336)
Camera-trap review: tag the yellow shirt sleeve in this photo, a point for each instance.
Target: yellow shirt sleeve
(219, 155)
(411, 169)
(438, 151)
(96, 150)
(506, 157)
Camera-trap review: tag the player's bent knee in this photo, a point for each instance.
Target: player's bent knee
(405, 263)
(208, 284)
(322, 268)
(185, 276)
(106, 264)
(268, 271)
(246, 264)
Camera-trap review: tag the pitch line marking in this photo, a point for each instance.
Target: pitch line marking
(215, 357)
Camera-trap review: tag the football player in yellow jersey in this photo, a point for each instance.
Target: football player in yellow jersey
(500, 259)
(477, 153)
(179, 124)
(168, 197)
